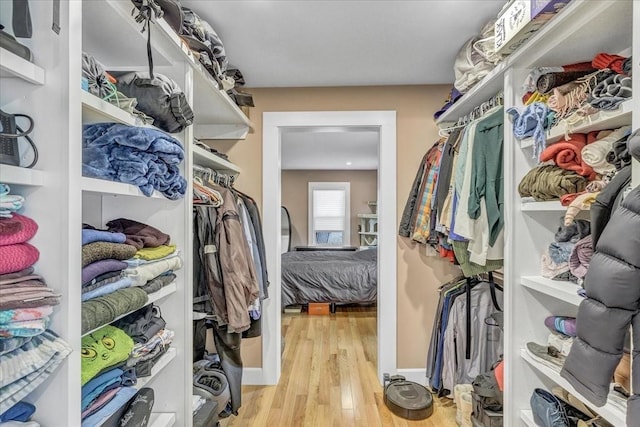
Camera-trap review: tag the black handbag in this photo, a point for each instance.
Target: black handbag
(10, 132)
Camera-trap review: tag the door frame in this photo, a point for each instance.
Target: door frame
(272, 125)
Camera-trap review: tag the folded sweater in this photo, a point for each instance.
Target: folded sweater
(145, 272)
(97, 251)
(90, 235)
(103, 348)
(159, 252)
(97, 268)
(24, 229)
(17, 257)
(103, 310)
(139, 234)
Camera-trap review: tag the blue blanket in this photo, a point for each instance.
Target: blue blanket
(145, 157)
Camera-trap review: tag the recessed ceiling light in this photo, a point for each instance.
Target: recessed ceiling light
(349, 163)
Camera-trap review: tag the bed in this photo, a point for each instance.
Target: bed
(329, 276)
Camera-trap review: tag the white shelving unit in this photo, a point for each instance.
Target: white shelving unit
(207, 159)
(21, 176)
(612, 412)
(157, 369)
(601, 120)
(60, 199)
(530, 226)
(11, 65)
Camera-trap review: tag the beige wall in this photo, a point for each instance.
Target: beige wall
(418, 275)
(295, 197)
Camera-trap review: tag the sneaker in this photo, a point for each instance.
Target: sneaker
(548, 356)
(561, 324)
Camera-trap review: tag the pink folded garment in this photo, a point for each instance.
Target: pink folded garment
(581, 257)
(25, 229)
(17, 257)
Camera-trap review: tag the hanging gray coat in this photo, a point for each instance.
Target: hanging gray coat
(613, 304)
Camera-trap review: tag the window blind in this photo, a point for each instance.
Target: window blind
(329, 208)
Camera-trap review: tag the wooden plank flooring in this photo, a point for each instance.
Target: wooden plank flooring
(328, 378)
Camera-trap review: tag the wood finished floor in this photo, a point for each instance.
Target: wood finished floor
(328, 378)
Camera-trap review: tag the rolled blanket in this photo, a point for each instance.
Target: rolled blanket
(548, 81)
(158, 283)
(573, 232)
(581, 257)
(97, 268)
(139, 234)
(24, 369)
(595, 154)
(107, 289)
(103, 348)
(611, 92)
(549, 268)
(580, 203)
(105, 309)
(90, 236)
(159, 252)
(619, 155)
(145, 157)
(549, 182)
(532, 122)
(25, 232)
(567, 154)
(98, 251)
(17, 257)
(560, 251)
(145, 272)
(604, 61)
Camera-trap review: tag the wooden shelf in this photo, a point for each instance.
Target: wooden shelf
(153, 298)
(162, 420)
(102, 186)
(610, 411)
(216, 116)
(549, 206)
(21, 176)
(544, 49)
(527, 417)
(598, 121)
(202, 157)
(12, 65)
(157, 368)
(564, 291)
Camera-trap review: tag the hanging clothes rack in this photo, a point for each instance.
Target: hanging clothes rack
(476, 113)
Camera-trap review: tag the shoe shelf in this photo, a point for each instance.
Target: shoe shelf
(527, 417)
(615, 414)
(12, 65)
(162, 420)
(548, 206)
(216, 116)
(601, 120)
(21, 176)
(564, 291)
(153, 298)
(157, 368)
(202, 157)
(559, 42)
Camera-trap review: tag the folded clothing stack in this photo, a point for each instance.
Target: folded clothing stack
(108, 393)
(555, 261)
(140, 156)
(15, 253)
(9, 203)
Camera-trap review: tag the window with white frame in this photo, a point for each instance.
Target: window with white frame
(329, 214)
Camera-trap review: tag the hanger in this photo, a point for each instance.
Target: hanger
(474, 114)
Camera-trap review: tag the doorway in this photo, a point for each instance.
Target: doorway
(274, 124)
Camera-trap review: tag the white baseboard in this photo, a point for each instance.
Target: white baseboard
(416, 375)
(253, 376)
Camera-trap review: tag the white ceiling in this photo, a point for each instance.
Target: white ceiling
(330, 148)
(345, 43)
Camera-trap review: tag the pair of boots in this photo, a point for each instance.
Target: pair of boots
(464, 404)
